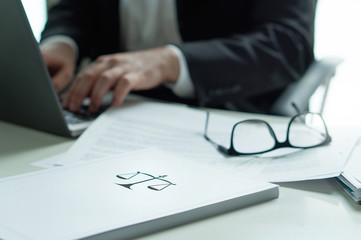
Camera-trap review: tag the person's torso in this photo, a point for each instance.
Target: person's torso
(196, 20)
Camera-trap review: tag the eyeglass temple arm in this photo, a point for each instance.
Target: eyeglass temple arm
(294, 105)
(219, 147)
(206, 127)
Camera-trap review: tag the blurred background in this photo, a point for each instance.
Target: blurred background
(337, 34)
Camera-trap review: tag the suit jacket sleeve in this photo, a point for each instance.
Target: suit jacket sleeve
(246, 68)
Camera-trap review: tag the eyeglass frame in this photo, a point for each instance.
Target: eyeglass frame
(231, 151)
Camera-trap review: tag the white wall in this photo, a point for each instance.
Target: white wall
(338, 33)
(36, 12)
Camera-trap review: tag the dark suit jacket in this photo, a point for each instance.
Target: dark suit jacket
(241, 54)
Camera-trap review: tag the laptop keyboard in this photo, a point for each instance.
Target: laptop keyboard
(83, 115)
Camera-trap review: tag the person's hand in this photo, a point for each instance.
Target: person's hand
(122, 73)
(60, 61)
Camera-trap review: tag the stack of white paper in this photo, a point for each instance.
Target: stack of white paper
(121, 197)
(350, 179)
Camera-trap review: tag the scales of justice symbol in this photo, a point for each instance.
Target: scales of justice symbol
(148, 178)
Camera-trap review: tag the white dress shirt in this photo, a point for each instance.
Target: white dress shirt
(147, 24)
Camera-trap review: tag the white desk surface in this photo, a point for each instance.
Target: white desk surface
(304, 210)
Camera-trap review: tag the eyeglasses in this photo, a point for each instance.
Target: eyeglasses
(255, 136)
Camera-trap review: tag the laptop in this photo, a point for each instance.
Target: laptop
(27, 96)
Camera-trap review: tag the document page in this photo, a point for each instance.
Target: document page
(174, 128)
(316, 163)
(179, 129)
(290, 164)
(352, 171)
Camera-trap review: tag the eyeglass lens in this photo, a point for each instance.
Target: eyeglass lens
(307, 130)
(254, 136)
